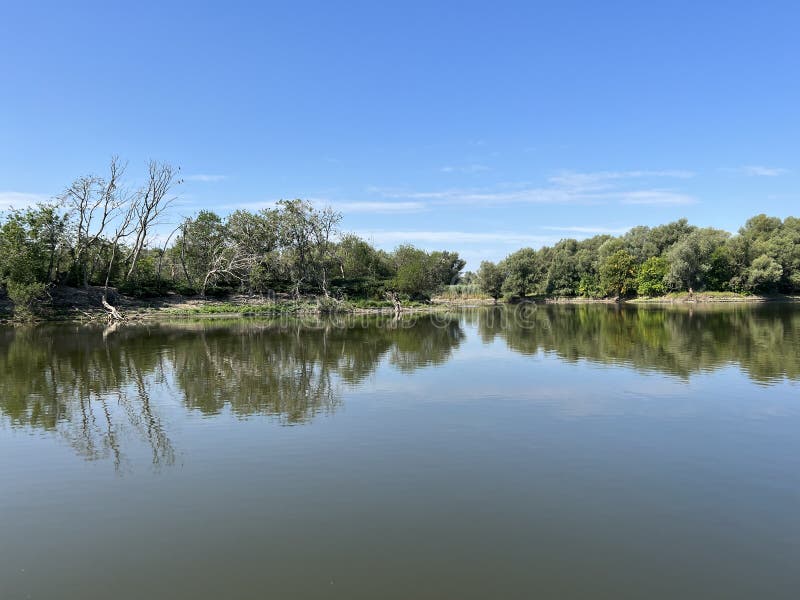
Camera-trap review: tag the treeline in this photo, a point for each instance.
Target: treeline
(100, 232)
(764, 257)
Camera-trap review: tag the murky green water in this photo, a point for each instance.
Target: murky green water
(551, 452)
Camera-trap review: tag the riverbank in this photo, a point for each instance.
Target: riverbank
(672, 298)
(714, 297)
(84, 305)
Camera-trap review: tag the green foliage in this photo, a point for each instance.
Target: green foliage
(646, 242)
(523, 272)
(469, 277)
(589, 286)
(201, 241)
(691, 260)
(447, 267)
(31, 244)
(370, 303)
(490, 279)
(764, 274)
(416, 274)
(780, 241)
(721, 269)
(359, 287)
(145, 281)
(26, 297)
(462, 291)
(358, 259)
(618, 274)
(563, 274)
(650, 278)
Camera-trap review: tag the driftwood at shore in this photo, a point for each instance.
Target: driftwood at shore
(394, 298)
(113, 314)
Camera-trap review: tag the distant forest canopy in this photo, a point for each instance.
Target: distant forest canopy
(764, 257)
(100, 232)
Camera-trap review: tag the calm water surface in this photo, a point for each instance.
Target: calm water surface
(547, 452)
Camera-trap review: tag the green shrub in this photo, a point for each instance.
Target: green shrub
(26, 297)
(650, 278)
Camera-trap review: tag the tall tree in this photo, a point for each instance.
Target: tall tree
(151, 202)
(93, 203)
(490, 279)
(618, 274)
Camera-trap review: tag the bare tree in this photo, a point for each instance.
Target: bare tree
(241, 243)
(123, 230)
(95, 203)
(152, 202)
(230, 259)
(323, 225)
(164, 251)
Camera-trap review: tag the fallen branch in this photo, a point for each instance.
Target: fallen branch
(114, 314)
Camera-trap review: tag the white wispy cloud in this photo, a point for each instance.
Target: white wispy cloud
(205, 178)
(10, 199)
(374, 207)
(590, 180)
(456, 237)
(566, 187)
(473, 168)
(549, 196)
(378, 207)
(483, 196)
(655, 198)
(757, 171)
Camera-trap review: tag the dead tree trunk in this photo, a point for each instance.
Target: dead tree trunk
(394, 298)
(113, 314)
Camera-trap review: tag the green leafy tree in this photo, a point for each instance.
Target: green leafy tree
(523, 272)
(448, 266)
(690, 259)
(618, 274)
(563, 272)
(490, 279)
(416, 273)
(29, 245)
(307, 238)
(650, 277)
(589, 286)
(721, 269)
(764, 274)
(200, 243)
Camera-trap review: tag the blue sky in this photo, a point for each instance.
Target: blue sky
(475, 126)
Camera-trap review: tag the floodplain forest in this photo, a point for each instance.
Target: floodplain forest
(101, 231)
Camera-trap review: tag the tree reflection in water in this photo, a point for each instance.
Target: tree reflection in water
(94, 386)
(764, 341)
(100, 389)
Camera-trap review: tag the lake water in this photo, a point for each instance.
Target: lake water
(538, 452)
